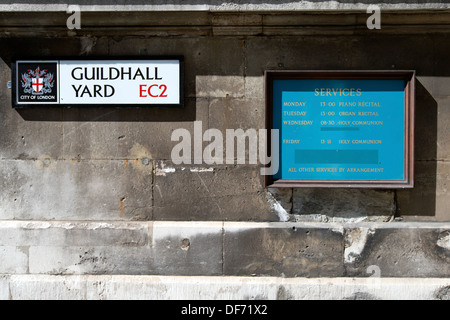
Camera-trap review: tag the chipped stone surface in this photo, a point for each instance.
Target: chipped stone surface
(355, 242)
(281, 202)
(444, 240)
(402, 252)
(442, 293)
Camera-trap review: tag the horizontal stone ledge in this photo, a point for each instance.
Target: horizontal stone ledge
(128, 287)
(173, 23)
(144, 233)
(186, 20)
(226, 248)
(242, 18)
(220, 6)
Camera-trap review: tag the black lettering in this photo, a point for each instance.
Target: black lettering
(102, 77)
(73, 73)
(148, 74)
(86, 90)
(92, 74)
(106, 91)
(76, 90)
(97, 89)
(124, 73)
(117, 75)
(138, 72)
(156, 74)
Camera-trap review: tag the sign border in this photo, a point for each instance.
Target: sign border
(14, 80)
(407, 75)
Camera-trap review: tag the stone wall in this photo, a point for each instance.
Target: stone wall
(115, 164)
(93, 191)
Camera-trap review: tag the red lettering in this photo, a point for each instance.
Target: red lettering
(162, 95)
(149, 91)
(141, 90)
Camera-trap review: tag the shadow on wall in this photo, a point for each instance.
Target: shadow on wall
(421, 200)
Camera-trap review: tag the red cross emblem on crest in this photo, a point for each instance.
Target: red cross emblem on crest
(37, 84)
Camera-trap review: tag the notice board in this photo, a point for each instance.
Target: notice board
(342, 128)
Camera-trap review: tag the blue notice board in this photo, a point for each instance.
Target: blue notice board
(342, 130)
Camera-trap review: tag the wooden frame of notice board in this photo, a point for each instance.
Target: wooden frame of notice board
(338, 130)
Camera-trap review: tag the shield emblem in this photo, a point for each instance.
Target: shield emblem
(37, 84)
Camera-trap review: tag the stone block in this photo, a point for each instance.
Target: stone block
(236, 114)
(366, 53)
(73, 233)
(13, 260)
(187, 248)
(181, 288)
(343, 203)
(226, 24)
(164, 248)
(442, 199)
(429, 197)
(441, 67)
(73, 260)
(398, 252)
(254, 87)
(219, 192)
(308, 19)
(4, 287)
(45, 46)
(43, 287)
(426, 123)
(107, 287)
(219, 86)
(282, 250)
(303, 53)
(75, 190)
(443, 129)
(131, 134)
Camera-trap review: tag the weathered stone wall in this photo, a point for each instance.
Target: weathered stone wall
(95, 191)
(115, 164)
